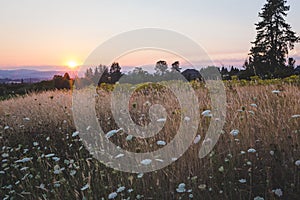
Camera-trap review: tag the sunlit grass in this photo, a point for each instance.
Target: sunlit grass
(257, 156)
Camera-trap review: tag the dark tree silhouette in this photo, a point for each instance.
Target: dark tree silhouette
(175, 67)
(63, 82)
(273, 41)
(115, 73)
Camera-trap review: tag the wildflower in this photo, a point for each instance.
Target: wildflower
(129, 137)
(197, 139)
(120, 189)
(181, 188)
(139, 196)
(272, 153)
(57, 169)
(5, 155)
(140, 175)
(130, 190)
(112, 195)
(251, 150)
(296, 116)
(278, 192)
(258, 198)
(221, 169)
(24, 160)
(72, 172)
(187, 119)
(251, 112)
(206, 113)
(234, 132)
(242, 180)
(26, 119)
(297, 163)
(112, 133)
(275, 91)
(174, 159)
(56, 159)
(191, 196)
(119, 155)
(75, 133)
(162, 120)
(243, 152)
(161, 143)
(85, 187)
(24, 168)
(6, 127)
(35, 144)
(253, 105)
(49, 155)
(146, 162)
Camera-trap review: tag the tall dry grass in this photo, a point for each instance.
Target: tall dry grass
(38, 125)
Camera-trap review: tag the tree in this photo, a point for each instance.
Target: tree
(161, 67)
(89, 73)
(115, 73)
(273, 41)
(175, 67)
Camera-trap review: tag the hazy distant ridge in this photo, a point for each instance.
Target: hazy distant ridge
(27, 74)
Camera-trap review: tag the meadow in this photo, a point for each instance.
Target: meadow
(257, 156)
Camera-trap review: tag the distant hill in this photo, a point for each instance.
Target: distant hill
(28, 74)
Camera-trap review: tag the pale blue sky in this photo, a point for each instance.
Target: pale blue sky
(40, 33)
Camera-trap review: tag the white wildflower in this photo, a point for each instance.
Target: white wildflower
(161, 143)
(296, 116)
(187, 119)
(49, 155)
(297, 163)
(140, 175)
(162, 120)
(251, 150)
(119, 155)
(181, 188)
(85, 187)
(120, 189)
(197, 139)
(278, 192)
(206, 113)
(75, 133)
(129, 137)
(253, 105)
(24, 160)
(146, 161)
(242, 180)
(111, 133)
(258, 198)
(234, 132)
(112, 195)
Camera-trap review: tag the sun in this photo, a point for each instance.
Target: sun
(72, 64)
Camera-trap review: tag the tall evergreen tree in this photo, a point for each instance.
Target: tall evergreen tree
(273, 41)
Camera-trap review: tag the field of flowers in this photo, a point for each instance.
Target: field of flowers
(257, 156)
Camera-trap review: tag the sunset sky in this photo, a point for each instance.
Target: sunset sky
(46, 35)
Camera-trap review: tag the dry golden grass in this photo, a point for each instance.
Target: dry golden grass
(263, 118)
